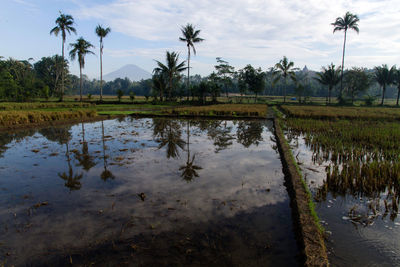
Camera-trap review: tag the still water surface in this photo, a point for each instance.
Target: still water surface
(145, 192)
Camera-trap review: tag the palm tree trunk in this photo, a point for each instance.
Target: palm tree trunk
(341, 75)
(101, 70)
(80, 83)
(329, 95)
(398, 95)
(284, 91)
(62, 72)
(170, 88)
(383, 93)
(188, 75)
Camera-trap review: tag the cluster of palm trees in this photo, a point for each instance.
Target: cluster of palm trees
(79, 49)
(167, 75)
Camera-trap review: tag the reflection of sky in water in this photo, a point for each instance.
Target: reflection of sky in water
(235, 181)
(351, 244)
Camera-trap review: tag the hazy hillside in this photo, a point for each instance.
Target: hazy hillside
(133, 72)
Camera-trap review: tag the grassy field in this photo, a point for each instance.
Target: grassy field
(334, 112)
(231, 110)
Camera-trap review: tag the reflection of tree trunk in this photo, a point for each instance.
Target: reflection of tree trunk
(188, 149)
(104, 146)
(106, 174)
(68, 158)
(83, 132)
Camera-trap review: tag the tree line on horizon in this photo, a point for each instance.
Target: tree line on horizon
(20, 80)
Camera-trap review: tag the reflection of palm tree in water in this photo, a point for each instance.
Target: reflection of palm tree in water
(71, 181)
(84, 158)
(249, 133)
(169, 135)
(189, 171)
(106, 174)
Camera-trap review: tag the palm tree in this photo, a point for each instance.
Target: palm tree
(71, 181)
(102, 33)
(171, 70)
(285, 69)
(384, 76)
(329, 77)
(190, 36)
(80, 49)
(189, 171)
(396, 80)
(106, 174)
(349, 21)
(64, 24)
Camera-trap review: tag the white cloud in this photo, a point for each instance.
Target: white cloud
(259, 32)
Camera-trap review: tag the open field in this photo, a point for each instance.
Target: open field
(333, 112)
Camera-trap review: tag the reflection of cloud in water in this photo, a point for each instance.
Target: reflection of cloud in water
(233, 181)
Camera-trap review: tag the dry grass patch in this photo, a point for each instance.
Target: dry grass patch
(323, 112)
(15, 118)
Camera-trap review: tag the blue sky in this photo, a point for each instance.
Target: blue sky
(259, 32)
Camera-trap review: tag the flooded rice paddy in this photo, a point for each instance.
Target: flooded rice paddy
(145, 192)
(357, 207)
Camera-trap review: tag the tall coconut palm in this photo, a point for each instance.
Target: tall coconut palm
(189, 171)
(384, 76)
(330, 77)
(285, 69)
(171, 71)
(102, 33)
(396, 80)
(190, 36)
(349, 21)
(80, 49)
(64, 24)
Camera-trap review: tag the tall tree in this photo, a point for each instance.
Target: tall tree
(191, 36)
(384, 76)
(349, 21)
(329, 76)
(285, 69)
(80, 49)
(63, 25)
(171, 70)
(225, 72)
(396, 80)
(101, 33)
(356, 81)
(253, 79)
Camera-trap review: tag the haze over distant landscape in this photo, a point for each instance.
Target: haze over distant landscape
(131, 71)
(242, 32)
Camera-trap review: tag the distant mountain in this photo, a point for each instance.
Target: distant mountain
(133, 72)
